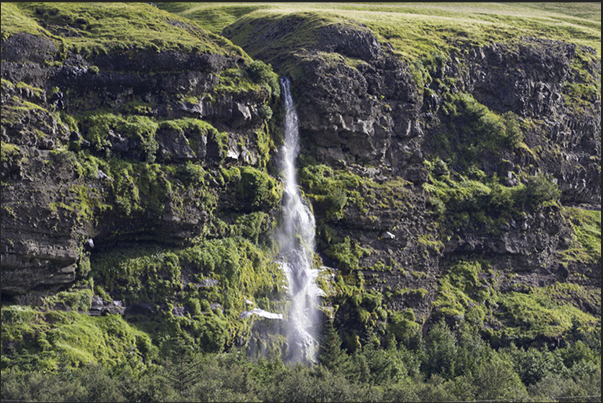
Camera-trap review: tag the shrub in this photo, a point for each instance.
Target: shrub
(440, 349)
(513, 134)
(538, 190)
(259, 189)
(265, 112)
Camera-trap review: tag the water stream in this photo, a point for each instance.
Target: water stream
(296, 246)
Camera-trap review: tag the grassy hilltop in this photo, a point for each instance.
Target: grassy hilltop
(416, 29)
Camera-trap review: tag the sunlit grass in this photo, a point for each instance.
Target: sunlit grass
(419, 28)
(105, 27)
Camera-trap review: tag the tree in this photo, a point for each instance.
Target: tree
(440, 351)
(331, 355)
(495, 379)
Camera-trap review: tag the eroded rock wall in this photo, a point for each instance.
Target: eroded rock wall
(53, 210)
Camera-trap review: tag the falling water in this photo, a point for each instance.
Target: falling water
(296, 242)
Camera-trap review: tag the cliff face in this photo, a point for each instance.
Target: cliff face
(450, 138)
(456, 186)
(55, 207)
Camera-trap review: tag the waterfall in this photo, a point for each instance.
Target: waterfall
(296, 248)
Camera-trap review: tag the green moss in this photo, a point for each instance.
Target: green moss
(136, 108)
(549, 312)
(97, 126)
(77, 300)
(460, 289)
(9, 151)
(190, 174)
(47, 339)
(403, 326)
(154, 274)
(346, 254)
(536, 314)
(257, 188)
(587, 236)
(37, 92)
(473, 132)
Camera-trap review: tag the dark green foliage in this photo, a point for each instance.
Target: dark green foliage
(330, 348)
(538, 189)
(261, 72)
(369, 374)
(441, 349)
(532, 365)
(484, 197)
(513, 134)
(190, 174)
(495, 379)
(404, 328)
(265, 112)
(91, 383)
(258, 189)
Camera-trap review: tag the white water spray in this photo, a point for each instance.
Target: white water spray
(296, 246)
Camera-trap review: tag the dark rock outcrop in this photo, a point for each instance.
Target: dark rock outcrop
(51, 208)
(360, 107)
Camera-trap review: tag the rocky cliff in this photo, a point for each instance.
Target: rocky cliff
(67, 205)
(450, 155)
(463, 186)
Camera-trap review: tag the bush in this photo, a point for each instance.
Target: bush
(495, 379)
(440, 349)
(513, 134)
(265, 112)
(258, 189)
(538, 190)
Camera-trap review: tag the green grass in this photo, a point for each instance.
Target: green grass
(49, 339)
(98, 28)
(418, 29)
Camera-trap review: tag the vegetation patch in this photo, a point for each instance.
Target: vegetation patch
(55, 339)
(587, 236)
(92, 29)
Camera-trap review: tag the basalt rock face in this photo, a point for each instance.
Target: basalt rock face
(537, 80)
(53, 211)
(361, 110)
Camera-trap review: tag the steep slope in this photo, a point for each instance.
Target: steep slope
(443, 186)
(452, 159)
(134, 173)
